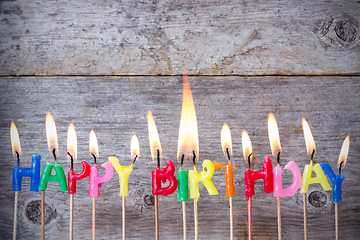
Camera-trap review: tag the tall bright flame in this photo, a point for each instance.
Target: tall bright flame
(246, 145)
(135, 146)
(188, 132)
(309, 140)
(15, 140)
(93, 144)
(226, 139)
(72, 142)
(51, 133)
(154, 139)
(344, 151)
(274, 136)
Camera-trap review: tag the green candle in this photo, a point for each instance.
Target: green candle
(183, 188)
(58, 177)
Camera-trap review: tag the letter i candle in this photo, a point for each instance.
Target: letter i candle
(307, 179)
(18, 173)
(73, 177)
(265, 173)
(124, 173)
(337, 180)
(96, 181)
(46, 175)
(226, 144)
(159, 175)
(279, 192)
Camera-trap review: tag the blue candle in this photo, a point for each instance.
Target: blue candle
(336, 181)
(33, 173)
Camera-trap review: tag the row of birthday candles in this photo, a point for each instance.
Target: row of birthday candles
(187, 147)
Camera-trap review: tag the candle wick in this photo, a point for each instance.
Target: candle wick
(71, 160)
(182, 160)
(54, 154)
(194, 158)
(94, 158)
(340, 168)
(278, 158)
(312, 156)
(18, 158)
(158, 158)
(228, 154)
(136, 156)
(249, 160)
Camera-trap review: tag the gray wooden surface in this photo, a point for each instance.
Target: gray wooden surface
(213, 37)
(116, 108)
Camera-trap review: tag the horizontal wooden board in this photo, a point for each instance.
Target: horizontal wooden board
(232, 37)
(116, 108)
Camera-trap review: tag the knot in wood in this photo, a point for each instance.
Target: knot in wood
(345, 30)
(317, 199)
(149, 200)
(33, 212)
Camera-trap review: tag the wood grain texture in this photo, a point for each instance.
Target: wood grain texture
(116, 108)
(217, 37)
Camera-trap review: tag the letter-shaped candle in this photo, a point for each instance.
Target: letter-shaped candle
(162, 175)
(73, 177)
(33, 173)
(205, 177)
(265, 173)
(278, 186)
(96, 181)
(183, 187)
(59, 176)
(320, 178)
(124, 173)
(229, 181)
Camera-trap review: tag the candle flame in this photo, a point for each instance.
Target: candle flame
(72, 142)
(135, 146)
(93, 144)
(51, 134)
(246, 145)
(188, 131)
(226, 139)
(274, 136)
(153, 137)
(344, 151)
(15, 140)
(309, 140)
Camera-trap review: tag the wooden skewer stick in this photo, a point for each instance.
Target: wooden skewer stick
(156, 217)
(43, 215)
(305, 218)
(196, 219)
(71, 216)
(279, 217)
(123, 217)
(231, 219)
(184, 219)
(336, 221)
(93, 217)
(15, 213)
(249, 217)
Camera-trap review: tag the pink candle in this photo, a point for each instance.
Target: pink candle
(96, 181)
(296, 183)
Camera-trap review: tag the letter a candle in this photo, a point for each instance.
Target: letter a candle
(307, 179)
(124, 173)
(96, 181)
(18, 173)
(337, 180)
(73, 177)
(159, 175)
(230, 188)
(46, 175)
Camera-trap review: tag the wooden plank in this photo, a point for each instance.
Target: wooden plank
(233, 37)
(116, 108)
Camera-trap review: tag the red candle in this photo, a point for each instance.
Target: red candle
(163, 175)
(73, 177)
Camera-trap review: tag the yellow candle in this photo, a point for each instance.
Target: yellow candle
(320, 178)
(124, 173)
(204, 176)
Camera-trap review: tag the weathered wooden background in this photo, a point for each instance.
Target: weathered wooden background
(92, 62)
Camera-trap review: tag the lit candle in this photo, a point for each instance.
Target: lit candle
(229, 181)
(18, 173)
(337, 180)
(159, 175)
(307, 179)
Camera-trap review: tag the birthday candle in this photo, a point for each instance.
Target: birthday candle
(205, 177)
